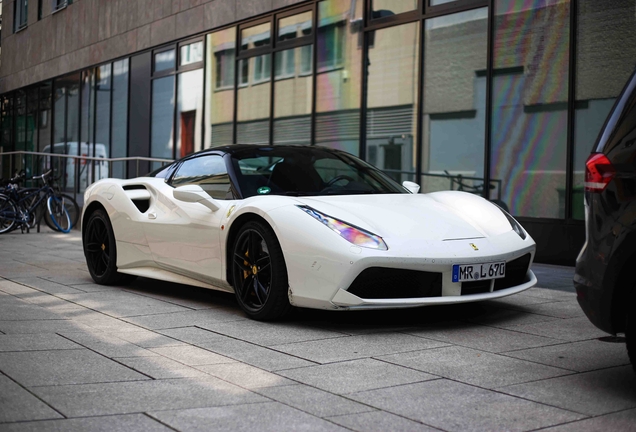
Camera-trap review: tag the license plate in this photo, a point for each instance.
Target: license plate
(473, 272)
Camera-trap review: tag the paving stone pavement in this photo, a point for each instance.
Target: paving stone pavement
(76, 356)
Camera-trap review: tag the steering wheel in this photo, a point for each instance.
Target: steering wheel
(336, 179)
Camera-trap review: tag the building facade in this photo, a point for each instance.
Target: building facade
(452, 94)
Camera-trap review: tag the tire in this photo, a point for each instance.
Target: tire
(28, 197)
(630, 330)
(62, 213)
(8, 213)
(100, 250)
(259, 274)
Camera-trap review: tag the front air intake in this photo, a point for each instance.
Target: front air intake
(391, 283)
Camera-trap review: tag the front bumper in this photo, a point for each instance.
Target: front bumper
(344, 299)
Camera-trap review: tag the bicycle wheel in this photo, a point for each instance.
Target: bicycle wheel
(71, 209)
(8, 214)
(58, 215)
(28, 197)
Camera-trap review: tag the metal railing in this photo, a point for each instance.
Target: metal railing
(74, 173)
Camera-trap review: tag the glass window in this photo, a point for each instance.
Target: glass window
(605, 59)
(331, 40)
(454, 118)
(292, 103)
(439, 2)
(31, 143)
(20, 15)
(295, 26)
(253, 109)
(103, 85)
(529, 97)
(384, 8)
(191, 53)
(209, 172)
(165, 60)
(256, 36)
(189, 112)
(224, 61)
(339, 58)
(119, 134)
(244, 72)
(262, 68)
(66, 127)
(20, 120)
(219, 100)
(44, 121)
(392, 100)
(285, 64)
(161, 143)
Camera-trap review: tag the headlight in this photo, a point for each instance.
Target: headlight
(516, 227)
(352, 234)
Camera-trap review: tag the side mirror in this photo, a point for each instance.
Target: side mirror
(195, 194)
(411, 187)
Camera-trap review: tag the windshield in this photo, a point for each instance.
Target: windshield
(307, 171)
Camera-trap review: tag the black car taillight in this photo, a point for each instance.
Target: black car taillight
(598, 172)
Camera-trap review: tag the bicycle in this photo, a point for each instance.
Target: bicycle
(24, 208)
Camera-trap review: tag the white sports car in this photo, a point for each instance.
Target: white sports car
(305, 226)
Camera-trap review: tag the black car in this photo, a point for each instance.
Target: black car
(605, 277)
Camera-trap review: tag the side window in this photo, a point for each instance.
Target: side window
(209, 172)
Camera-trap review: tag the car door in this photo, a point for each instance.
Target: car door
(185, 237)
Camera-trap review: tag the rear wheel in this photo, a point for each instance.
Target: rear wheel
(8, 214)
(100, 250)
(259, 273)
(28, 197)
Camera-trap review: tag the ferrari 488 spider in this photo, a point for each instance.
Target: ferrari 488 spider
(302, 226)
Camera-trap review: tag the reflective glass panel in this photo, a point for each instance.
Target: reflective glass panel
(219, 99)
(254, 102)
(31, 141)
(529, 98)
(20, 120)
(295, 26)
(161, 143)
(103, 86)
(454, 121)
(119, 133)
(338, 75)
(44, 120)
(392, 100)
(256, 36)
(439, 2)
(191, 53)
(164, 60)
(385, 8)
(292, 99)
(605, 60)
(189, 112)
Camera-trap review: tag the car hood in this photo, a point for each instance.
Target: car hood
(437, 216)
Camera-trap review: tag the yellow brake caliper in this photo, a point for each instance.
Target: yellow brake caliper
(246, 264)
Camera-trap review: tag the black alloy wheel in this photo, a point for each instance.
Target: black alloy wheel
(101, 251)
(259, 273)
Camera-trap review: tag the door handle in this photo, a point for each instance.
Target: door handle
(152, 215)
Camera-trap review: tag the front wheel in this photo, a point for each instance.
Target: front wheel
(62, 213)
(259, 274)
(8, 214)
